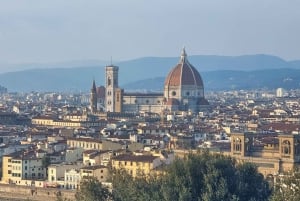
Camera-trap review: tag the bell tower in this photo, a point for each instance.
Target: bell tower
(111, 85)
(93, 98)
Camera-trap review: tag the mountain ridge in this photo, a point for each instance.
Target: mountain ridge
(210, 67)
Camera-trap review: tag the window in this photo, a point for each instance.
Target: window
(173, 93)
(237, 145)
(286, 147)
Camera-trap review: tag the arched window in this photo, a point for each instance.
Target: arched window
(237, 145)
(286, 147)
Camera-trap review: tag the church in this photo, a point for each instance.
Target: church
(183, 90)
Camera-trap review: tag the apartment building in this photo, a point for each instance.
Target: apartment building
(18, 167)
(100, 172)
(136, 164)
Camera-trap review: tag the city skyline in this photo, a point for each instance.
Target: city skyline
(55, 31)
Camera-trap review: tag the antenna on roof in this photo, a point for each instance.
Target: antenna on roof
(111, 61)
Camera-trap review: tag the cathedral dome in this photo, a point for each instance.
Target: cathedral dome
(184, 74)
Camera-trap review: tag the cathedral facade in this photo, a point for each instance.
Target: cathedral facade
(183, 90)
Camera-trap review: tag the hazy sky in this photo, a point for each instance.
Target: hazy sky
(62, 30)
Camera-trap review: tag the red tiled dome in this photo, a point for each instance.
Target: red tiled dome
(184, 74)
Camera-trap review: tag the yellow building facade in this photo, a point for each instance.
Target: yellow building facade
(136, 164)
(100, 172)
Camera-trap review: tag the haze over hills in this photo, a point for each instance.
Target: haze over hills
(11, 67)
(148, 73)
(232, 80)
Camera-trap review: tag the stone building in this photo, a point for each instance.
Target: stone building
(273, 154)
(183, 90)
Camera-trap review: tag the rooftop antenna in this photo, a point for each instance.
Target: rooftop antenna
(111, 61)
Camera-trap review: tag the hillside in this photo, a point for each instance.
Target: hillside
(218, 73)
(227, 80)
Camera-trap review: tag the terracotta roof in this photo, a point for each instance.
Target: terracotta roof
(283, 127)
(184, 74)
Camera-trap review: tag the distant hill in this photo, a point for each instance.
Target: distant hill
(228, 80)
(148, 73)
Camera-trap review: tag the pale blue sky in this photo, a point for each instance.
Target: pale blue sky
(62, 30)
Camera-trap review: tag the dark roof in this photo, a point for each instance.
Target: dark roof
(94, 167)
(85, 140)
(136, 158)
(142, 94)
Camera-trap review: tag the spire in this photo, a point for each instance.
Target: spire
(183, 55)
(94, 86)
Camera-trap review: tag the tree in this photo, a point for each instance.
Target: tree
(250, 184)
(197, 177)
(127, 188)
(46, 161)
(287, 187)
(92, 190)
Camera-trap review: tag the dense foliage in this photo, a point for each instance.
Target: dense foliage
(92, 190)
(197, 177)
(287, 187)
